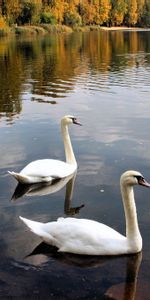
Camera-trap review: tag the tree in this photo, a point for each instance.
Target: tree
(11, 10)
(140, 10)
(118, 11)
(3, 7)
(104, 10)
(146, 14)
(132, 15)
(47, 18)
(72, 19)
(87, 12)
(57, 10)
(71, 12)
(30, 12)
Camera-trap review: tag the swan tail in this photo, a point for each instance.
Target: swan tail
(37, 228)
(32, 225)
(19, 177)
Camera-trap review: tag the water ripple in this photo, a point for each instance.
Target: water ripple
(131, 71)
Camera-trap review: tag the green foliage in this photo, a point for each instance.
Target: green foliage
(118, 12)
(47, 18)
(56, 28)
(27, 13)
(30, 12)
(146, 15)
(72, 19)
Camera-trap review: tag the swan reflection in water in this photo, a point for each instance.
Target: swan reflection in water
(115, 284)
(127, 290)
(42, 189)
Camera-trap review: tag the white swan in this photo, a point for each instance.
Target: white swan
(82, 236)
(45, 170)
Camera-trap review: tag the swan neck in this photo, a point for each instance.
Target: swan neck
(70, 158)
(132, 229)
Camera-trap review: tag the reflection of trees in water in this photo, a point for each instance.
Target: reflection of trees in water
(11, 73)
(51, 65)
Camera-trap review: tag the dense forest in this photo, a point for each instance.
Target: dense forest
(75, 12)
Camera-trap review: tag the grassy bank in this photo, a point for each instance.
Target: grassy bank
(41, 29)
(44, 29)
(5, 31)
(35, 30)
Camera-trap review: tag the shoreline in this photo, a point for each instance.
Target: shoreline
(123, 28)
(45, 29)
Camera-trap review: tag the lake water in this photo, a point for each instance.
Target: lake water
(104, 80)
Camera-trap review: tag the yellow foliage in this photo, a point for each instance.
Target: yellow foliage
(3, 24)
(132, 12)
(58, 10)
(90, 12)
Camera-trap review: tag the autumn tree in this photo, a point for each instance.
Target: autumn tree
(71, 13)
(146, 14)
(80, 12)
(118, 11)
(132, 15)
(104, 10)
(140, 10)
(30, 12)
(57, 10)
(87, 12)
(11, 10)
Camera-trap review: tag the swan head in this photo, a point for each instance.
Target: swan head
(66, 120)
(131, 178)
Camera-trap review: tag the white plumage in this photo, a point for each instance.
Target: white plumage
(45, 170)
(88, 237)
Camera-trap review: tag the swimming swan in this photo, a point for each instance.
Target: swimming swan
(83, 236)
(45, 170)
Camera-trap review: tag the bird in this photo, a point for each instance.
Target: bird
(89, 237)
(47, 170)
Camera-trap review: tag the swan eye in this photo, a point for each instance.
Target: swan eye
(75, 121)
(139, 178)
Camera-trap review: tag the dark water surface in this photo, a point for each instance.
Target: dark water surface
(104, 80)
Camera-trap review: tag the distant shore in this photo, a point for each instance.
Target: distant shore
(123, 28)
(44, 29)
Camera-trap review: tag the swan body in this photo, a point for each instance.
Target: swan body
(46, 170)
(88, 237)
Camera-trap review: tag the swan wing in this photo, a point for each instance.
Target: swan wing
(82, 236)
(48, 168)
(44, 170)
